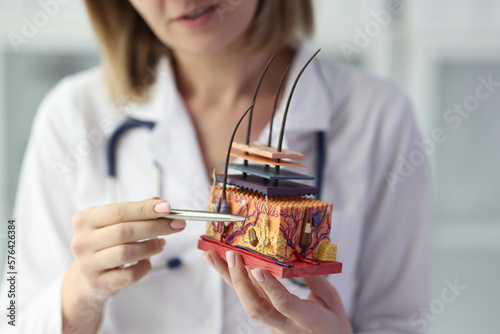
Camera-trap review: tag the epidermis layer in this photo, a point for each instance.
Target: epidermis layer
(284, 228)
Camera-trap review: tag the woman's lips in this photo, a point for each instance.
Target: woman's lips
(198, 18)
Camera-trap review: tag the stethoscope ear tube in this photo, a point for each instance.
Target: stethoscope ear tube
(111, 188)
(111, 184)
(158, 179)
(128, 124)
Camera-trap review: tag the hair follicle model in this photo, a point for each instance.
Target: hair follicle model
(287, 230)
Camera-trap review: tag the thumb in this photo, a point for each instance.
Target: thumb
(323, 290)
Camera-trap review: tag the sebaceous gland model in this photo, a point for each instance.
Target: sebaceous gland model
(287, 231)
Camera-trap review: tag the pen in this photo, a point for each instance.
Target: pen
(204, 216)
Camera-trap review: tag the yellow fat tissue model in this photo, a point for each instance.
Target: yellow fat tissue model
(287, 230)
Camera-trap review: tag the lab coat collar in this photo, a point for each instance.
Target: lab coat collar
(311, 105)
(310, 109)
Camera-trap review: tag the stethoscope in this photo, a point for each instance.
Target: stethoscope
(132, 123)
(129, 124)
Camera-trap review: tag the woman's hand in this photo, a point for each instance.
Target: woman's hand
(104, 240)
(266, 300)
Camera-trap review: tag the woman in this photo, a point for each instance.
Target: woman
(191, 67)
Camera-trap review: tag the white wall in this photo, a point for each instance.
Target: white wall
(66, 31)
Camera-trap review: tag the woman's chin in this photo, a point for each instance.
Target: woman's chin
(202, 48)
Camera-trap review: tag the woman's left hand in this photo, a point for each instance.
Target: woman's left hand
(266, 300)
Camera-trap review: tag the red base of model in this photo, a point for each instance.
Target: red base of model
(254, 260)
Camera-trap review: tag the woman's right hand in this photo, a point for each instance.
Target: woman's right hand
(104, 240)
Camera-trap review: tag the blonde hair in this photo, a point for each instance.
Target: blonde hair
(131, 50)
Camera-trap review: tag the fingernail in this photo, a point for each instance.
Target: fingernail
(231, 261)
(162, 242)
(258, 275)
(163, 207)
(177, 224)
(208, 259)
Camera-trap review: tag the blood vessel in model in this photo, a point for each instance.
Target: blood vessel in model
(288, 230)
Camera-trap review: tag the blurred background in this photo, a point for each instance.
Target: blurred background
(439, 51)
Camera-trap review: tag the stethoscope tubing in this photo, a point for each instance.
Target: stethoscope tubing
(129, 124)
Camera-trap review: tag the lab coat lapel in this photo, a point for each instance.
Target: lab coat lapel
(311, 108)
(175, 147)
(311, 103)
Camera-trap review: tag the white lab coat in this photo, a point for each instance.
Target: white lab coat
(380, 225)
